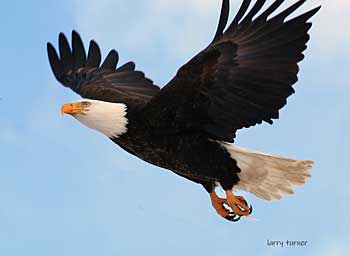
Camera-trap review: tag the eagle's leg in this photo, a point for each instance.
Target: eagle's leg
(238, 204)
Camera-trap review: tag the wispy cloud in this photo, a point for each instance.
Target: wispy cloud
(146, 26)
(171, 23)
(181, 28)
(339, 249)
(330, 29)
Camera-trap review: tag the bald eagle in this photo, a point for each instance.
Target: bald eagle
(241, 79)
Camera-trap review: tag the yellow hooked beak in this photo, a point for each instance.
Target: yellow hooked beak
(71, 108)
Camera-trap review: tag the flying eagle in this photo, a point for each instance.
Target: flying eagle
(241, 79)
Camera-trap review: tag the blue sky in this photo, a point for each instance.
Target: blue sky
(66, 190)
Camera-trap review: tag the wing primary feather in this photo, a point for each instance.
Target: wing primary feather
(94, 55)
(79, 54)
(225, 10)
(129, 66)
(270, 10)
(256, 8)
(55, 62)
(65, 53)
(306, 16)
(242, 10)
(283, 15)
(111, 60)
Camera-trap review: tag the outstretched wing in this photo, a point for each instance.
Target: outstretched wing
(243, 77)
(86, 76)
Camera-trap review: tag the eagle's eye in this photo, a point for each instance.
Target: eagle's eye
(85, 104)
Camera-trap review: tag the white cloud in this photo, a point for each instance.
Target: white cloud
(330, 29)
(337, 250)
(149, 24)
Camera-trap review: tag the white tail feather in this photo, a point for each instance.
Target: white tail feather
(268, 176)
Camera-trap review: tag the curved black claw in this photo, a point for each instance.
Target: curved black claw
(236, 217)
(250, 207)
(233, 217)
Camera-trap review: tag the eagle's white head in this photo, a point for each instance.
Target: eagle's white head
(105, 117)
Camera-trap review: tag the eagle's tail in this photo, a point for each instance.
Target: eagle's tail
(268, 176)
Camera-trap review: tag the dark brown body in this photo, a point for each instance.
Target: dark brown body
(192, 155)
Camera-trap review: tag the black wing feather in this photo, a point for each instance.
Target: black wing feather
(225, 11)
(84, 74)
(273, 7)
(256, 8)
(111, 60)
(65, 53)
(55, 62)
(244, 7)
(283, 15)
(94, 55)
(79, 54)
(127, 66)
(242, 78)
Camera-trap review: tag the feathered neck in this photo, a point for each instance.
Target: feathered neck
(105, 117)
